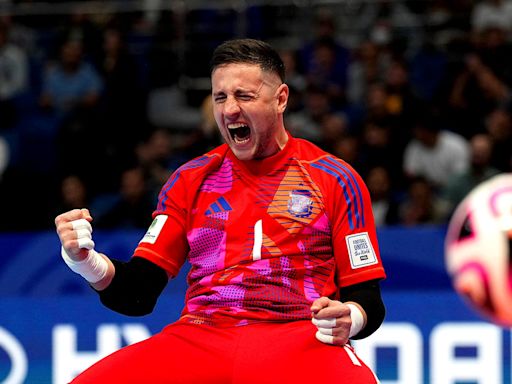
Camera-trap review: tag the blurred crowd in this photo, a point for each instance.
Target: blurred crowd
(98, 109)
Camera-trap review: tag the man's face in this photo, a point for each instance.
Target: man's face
(248, 105)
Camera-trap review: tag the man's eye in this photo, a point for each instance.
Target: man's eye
(245, 97)
(219, 99)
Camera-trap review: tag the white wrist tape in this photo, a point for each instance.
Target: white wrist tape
(357, 320)
(93, 268)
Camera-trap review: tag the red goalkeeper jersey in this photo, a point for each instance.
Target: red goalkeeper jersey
(264, 238)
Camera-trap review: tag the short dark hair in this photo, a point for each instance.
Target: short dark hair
(248, 51)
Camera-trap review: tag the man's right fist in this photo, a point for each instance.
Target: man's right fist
(75, 233)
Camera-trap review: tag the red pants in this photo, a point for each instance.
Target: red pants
(261, 353)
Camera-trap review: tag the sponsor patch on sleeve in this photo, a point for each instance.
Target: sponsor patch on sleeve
(154, 229)
(360, 250)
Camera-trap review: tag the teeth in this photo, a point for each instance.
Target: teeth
(238, 141)
(236, 125)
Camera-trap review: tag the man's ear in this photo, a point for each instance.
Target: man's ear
(282, 94)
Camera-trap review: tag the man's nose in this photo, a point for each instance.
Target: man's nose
(231, 106)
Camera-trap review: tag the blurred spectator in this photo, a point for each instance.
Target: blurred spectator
(368, 65)
(499, 127)
(208, 124)
(460, 184)
(14, 73)
(325, 60)
(403, 102)
(492, 14)
(121, 105)
(421, 205)
(306, 122)
(71, 91)
(135, 204)
(347, 147)
(294, 76)
(168, 107)
(390, 22)
(333, 126)
(376, 104)
(435, 153)
(204, 28)
(493, 47)
(79, 26)
(441, 19)
(19, 34)
(162, 63)
(157, 157)
(295, 79)
(384, 204)
(206, 137)
(386, 122)
(393, 101)
(381, 146)
(73, 194)
(295, 100)
(324, 71)
(428, 68)
(477, 90)
(72, 83)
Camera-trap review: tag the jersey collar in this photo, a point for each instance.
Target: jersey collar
(269, 164)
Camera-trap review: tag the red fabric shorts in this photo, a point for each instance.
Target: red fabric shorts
(262, 353)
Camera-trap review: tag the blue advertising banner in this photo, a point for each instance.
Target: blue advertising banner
(52, 324)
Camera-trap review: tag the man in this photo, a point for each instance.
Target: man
(281, 242)
(480, 169)
(434, 153)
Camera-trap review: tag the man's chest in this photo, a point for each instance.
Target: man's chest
(249, 218)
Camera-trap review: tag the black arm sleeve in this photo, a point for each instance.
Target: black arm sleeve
(368, 296)
(135, 288)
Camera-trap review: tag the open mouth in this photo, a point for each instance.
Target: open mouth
(240, 133)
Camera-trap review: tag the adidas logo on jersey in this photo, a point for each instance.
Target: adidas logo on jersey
(220, 205)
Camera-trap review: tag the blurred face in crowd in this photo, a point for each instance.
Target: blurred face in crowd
(376, 98)
(499, 124)
(112, 41)
(481, 150)
(71, 54)
(133, 184)
(317, 103)
(379, 183)
(74, 192)
(248, 105)
(397, 76)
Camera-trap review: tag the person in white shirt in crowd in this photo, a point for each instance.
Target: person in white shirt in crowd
(435, 153)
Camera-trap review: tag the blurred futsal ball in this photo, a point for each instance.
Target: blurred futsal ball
(478, 249)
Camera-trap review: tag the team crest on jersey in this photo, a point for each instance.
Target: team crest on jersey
(300, 203)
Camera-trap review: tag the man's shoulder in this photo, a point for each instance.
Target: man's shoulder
(310, 153)
(454, 140)
(190, 174)
(204, 162)
(307, 150)
(325, 166)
